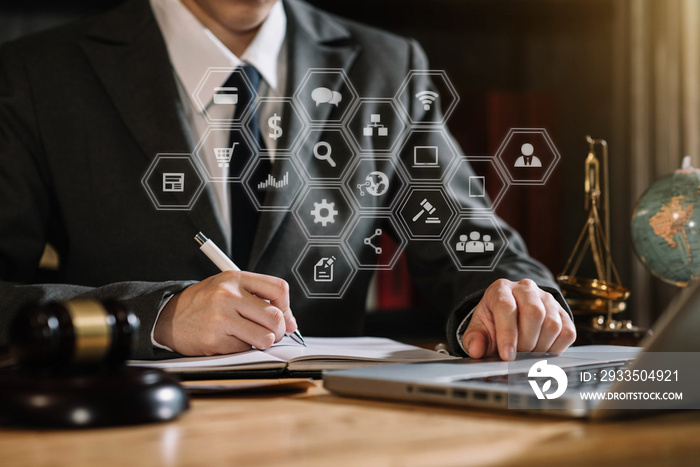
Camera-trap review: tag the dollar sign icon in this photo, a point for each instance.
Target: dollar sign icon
(273, 122)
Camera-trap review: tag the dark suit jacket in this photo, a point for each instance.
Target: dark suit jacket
(84, 109)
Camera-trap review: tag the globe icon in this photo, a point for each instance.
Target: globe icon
(666, 226)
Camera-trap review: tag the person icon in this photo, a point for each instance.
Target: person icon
(488, 244)
(461, 245)
(475, 245)
(527, 159)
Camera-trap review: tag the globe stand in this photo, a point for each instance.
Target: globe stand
(601, 296)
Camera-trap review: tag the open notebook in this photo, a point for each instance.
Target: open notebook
(321, 353)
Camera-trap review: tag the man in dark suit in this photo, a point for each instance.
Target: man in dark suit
(85, 109)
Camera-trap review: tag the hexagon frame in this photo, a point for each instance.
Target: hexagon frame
(401, 246)
(547, 139)
(454, 168)
(448, 84)
(453, 230)
(246, 136)
(224, 121)
(448, 221)
(348, 85)
(397, 198)
(344, 172)
(251, 169)
(400, 112)
(256, 105)
(320, 239)
(346, 284)
(152, 167)
(444, 173)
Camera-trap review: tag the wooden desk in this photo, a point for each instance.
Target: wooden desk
(319, 429)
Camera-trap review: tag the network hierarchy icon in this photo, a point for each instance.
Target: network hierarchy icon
(354, 171)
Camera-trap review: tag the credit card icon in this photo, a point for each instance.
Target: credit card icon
(225, 95)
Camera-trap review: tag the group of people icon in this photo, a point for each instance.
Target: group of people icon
(474, 243)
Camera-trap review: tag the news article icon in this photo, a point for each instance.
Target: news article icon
(323, 270)
(164, 182)
(226, 95)
(173, 182)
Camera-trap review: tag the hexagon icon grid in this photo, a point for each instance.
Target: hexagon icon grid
(325, 95)
(280, 124)
(324, 212)
(273, 187)
(323, 271)
(173, 182)
(472, 180)
(427, 154)
(426, 213)
(476, 243)
(375, 183)
(325, 154)
(218, 101)
(365, 242)
(528, 155)
(219, 161)
(376, 125)
(428, 97)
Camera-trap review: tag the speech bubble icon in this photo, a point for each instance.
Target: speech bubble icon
(337, 97)
(321, 95)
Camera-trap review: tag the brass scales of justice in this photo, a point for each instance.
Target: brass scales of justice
(603, 296)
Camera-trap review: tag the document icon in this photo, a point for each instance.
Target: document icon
(173, 182)
(323, 270)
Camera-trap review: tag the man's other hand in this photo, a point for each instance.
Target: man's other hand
(517, 316)
(226, 313)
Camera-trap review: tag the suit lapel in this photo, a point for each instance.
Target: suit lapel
(128, 54)
(314, 41)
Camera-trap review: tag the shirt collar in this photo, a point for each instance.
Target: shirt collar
(193, 49)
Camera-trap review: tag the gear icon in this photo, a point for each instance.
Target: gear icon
(320, 216)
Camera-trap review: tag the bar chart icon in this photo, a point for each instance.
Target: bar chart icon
(272, 182)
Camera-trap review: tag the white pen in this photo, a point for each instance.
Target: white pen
(224, 263)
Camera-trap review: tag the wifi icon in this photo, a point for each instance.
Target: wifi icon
(427, 98)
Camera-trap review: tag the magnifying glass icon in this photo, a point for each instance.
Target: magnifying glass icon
(324, 157)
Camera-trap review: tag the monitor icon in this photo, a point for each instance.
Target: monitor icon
(425, 157)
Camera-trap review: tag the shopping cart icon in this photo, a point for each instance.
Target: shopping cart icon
(224, 155)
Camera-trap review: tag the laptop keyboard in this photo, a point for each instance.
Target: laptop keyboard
(573, 375)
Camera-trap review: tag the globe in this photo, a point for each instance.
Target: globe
(666, 226)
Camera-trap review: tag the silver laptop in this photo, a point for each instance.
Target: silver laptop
(587, 381)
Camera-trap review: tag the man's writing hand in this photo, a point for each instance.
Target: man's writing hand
(226, 313)
(517, 316)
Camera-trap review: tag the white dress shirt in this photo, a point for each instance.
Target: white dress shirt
(193, 49)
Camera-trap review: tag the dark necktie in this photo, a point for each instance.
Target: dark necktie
(244, 214)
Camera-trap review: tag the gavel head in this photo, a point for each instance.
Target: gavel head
(82, 334)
